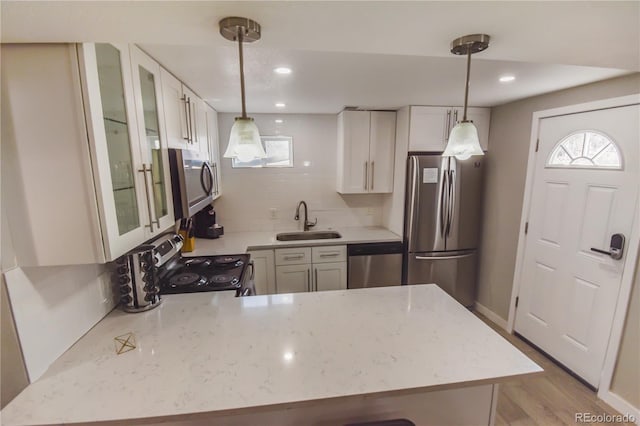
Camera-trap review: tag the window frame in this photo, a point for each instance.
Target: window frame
(594, 166)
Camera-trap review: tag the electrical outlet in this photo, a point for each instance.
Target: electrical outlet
(273, 213)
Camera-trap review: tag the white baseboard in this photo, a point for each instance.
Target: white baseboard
(495, 318)
(620, 404)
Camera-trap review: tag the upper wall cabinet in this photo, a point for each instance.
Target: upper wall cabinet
(366, 146)
(88, 151)
(430, 127)
(214, 149)
(185, 115)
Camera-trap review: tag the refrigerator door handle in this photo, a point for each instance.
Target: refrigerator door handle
(457, 256)
(414, 171)
(451, 201)
(444, 201)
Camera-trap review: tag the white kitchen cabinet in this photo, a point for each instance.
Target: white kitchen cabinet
(214, 150)
(330, 276)
(264, 271)
(99, 185)
(430, 127)
(293, 278)
(320, 268)
(153, 141)
(185, 115)
(175, 111)
(197, 121)
(366, 146)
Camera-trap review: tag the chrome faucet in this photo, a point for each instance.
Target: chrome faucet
(307, 224)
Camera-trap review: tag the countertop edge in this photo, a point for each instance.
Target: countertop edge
(202, 415)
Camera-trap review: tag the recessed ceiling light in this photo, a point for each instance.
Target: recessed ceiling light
(280, 105)
(507, 78)
(282, 70)
(279, 121)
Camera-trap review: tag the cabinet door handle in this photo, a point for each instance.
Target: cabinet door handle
(195, 123)
(143, 170)
(186, 116)
(299, 256)
(315, 276)
(366, 175)
(189, 121)
(308, 279)
(447, 127)
(330, 254)
(153, 195)
(455, 118)
(372, 173)
(215, 178)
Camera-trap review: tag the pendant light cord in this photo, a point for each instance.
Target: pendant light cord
(466, 88)
(240, 39)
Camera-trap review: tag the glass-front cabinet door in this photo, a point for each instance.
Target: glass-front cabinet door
(153, 141)
(113, 134)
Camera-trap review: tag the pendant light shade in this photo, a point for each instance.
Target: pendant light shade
(244, 140)
(463, 141)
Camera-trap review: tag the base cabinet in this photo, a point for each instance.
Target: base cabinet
(264, 271)
(303, 269)
(293, 278)
(330, 276)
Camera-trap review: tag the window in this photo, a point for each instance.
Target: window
(586, 149)
(279, 151)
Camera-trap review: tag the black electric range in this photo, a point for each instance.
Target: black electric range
(178, 274)
(207, 273)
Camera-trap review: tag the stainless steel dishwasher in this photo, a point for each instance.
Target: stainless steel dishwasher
(374, 264)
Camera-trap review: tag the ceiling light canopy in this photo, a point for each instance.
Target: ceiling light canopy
(463, 141)
(280, 104)
(282, 70)
(244, 140)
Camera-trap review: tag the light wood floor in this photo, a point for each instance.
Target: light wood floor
(550, 398)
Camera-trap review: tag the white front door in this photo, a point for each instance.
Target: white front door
(585, 190)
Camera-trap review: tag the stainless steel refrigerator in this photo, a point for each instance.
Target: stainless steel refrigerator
(442, 223)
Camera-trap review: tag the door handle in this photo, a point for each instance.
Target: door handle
(366, 175)
(372, 173)
(315, 279)
(443, 202)
(308, 279)
(616, 247)
(186, 116)
(458, 256)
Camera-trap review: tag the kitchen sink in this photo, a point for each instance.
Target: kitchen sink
(313, 235)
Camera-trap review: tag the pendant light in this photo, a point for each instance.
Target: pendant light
(244, 140)
(463, 140)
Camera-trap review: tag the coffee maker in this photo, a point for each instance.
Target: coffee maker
(205, 224)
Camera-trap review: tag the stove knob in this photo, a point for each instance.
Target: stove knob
(124, 279)
(125, 289)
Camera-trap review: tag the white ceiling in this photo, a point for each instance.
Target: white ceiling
(368, 54)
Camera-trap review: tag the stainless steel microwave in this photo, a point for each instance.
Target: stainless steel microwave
(192, 181)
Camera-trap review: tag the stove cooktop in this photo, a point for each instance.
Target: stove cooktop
(207, 273)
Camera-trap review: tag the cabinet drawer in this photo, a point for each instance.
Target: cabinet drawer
(293, 256)
(326, 254)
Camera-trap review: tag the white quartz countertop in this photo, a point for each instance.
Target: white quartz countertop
(239, 242)
(209, 352)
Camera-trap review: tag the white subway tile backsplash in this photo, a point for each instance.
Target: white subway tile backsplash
(250, 194)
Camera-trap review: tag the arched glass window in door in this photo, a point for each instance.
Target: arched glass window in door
(587, 150)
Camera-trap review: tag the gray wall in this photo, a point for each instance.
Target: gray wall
(506, 172)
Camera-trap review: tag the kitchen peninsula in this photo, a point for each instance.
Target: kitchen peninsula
(330, 357)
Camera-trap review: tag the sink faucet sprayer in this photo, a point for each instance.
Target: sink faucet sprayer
(307, 224)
